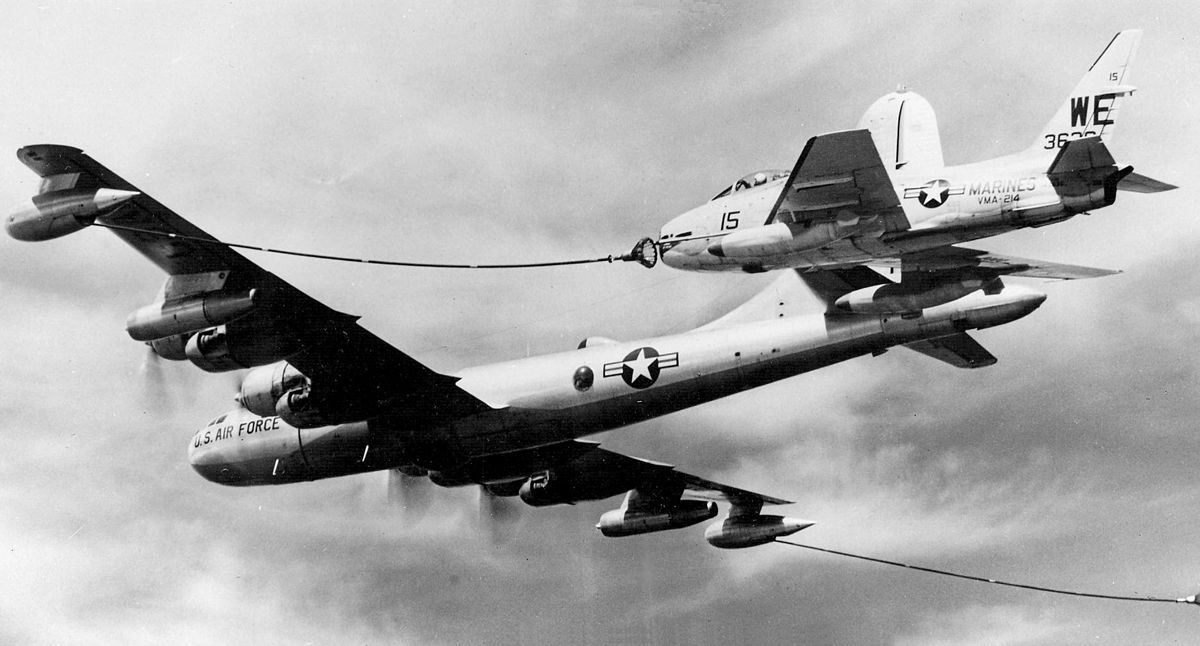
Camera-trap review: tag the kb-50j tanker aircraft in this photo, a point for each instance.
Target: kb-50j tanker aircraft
(325, 397)
(882, 195)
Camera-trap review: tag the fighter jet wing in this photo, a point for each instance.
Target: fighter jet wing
(331, 349)
(950, 259)
(840, 176)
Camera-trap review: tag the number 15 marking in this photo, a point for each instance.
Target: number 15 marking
(729, 220)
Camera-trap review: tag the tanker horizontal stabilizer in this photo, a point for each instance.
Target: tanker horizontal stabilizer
(958, 350)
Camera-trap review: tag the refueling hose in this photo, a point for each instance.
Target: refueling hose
(645, 252)
(1191, 599)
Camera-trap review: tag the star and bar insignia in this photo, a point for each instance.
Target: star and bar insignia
(933, 194)
(641, 367)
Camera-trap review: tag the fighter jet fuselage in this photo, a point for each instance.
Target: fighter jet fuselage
(882, 194)
(958, 204)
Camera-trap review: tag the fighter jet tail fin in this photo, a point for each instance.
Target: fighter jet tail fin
(905, 130)
(1092, 108)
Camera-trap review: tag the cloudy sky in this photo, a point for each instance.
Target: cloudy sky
(545, 131)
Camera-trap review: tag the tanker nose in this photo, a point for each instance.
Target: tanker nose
(209, 461)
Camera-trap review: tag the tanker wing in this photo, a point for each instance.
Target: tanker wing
(327, 346)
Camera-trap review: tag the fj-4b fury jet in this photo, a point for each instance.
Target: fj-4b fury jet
(324, 397)
(881, 195)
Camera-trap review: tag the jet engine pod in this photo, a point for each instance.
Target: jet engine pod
(626, 522)
(736, 532)
(911, 296)
(55, 214)
(189, 314)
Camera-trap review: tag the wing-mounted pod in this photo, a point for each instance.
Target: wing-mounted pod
(746, 527)
(69, 199)
(218, 320)
(55, 213)
(655, 511)
(915, 293)
(188, 314)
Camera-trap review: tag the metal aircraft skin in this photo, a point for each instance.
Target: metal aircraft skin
(324, 397)
(882, 195)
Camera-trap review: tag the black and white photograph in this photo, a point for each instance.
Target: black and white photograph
(439, 323)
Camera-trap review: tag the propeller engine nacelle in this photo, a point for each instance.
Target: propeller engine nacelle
(263, 387)
(240, 344)
(281, 390)
(172, 348)
(565, 488)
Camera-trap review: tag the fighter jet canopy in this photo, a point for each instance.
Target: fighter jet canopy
(757, 178)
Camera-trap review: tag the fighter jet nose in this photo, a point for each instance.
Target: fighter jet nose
(670, 257)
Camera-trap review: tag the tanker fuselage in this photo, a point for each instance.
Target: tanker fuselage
(548, 399)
